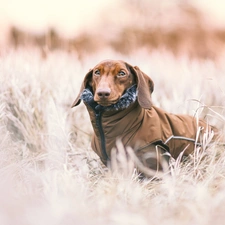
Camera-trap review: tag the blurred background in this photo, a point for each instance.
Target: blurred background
(195, 28)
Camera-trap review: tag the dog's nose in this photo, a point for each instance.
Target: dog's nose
(103, 93)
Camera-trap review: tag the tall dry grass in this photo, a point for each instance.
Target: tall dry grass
(48, 172)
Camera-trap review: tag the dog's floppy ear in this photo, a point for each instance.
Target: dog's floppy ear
(87, 80)
(145, 87)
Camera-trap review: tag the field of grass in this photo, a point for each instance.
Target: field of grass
(48, 172)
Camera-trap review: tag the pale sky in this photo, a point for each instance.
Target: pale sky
(37, 15)
(71, 16)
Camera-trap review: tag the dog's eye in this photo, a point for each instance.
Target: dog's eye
(121, 74)
(97, 72)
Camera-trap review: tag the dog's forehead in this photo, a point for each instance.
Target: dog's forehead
(111, 64)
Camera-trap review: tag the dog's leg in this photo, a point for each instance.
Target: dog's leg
(154, 160)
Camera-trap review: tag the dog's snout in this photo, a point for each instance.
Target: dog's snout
(103, 93)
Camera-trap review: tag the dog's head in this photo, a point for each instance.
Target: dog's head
(111, 78)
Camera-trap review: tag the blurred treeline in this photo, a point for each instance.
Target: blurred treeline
(181, 30)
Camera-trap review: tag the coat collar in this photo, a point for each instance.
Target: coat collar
(124, 102)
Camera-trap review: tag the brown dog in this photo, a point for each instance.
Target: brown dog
(118, 99)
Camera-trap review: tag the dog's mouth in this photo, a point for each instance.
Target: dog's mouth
(107, 103)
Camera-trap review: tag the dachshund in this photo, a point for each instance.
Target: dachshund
(118, 99)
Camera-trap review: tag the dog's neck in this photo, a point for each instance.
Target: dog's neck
(111, 122)
(124, 102)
